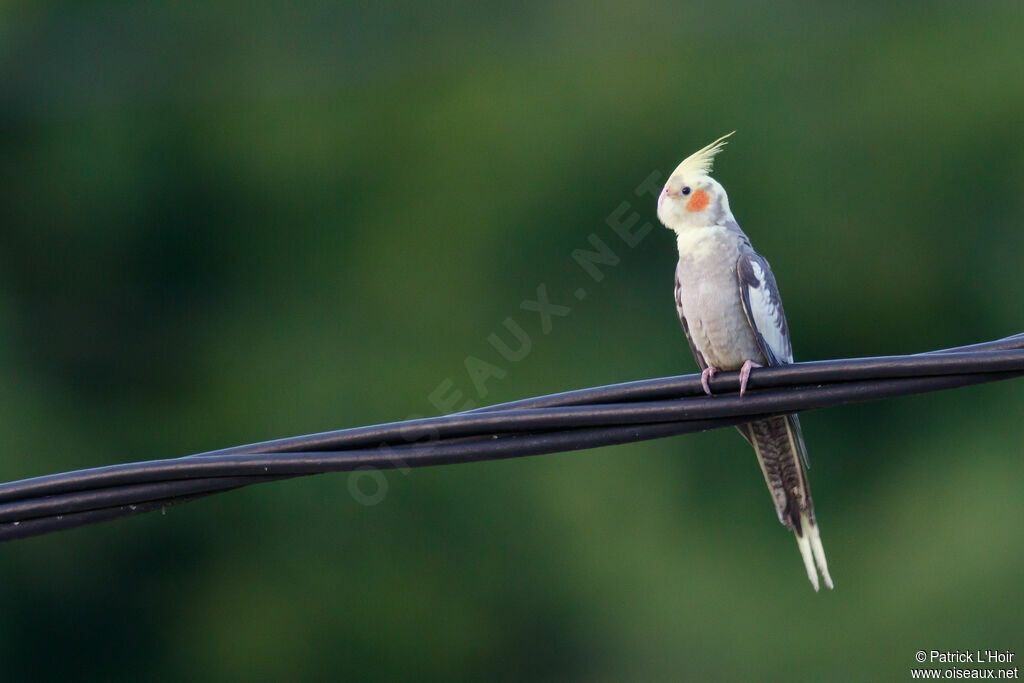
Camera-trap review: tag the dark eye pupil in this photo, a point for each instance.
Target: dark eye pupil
(685, 190)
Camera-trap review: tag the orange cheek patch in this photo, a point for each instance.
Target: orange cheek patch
(698, 202)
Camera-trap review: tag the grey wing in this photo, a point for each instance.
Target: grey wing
(762, 305)
(763, 308)
(686, 328)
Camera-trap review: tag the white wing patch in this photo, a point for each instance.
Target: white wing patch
(765, 312)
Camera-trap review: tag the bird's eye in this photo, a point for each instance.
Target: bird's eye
(685, 191)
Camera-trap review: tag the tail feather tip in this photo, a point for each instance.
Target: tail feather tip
(813, 553)
(805, 552)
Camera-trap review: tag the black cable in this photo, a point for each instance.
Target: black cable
(586, 418)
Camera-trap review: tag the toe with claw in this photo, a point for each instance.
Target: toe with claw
(745, 375)
(706, 375)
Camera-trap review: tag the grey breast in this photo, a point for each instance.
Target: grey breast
(709, 298)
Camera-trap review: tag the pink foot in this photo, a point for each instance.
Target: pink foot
(706, 375)
(745, 374)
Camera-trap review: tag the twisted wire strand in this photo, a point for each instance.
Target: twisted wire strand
(572, 420)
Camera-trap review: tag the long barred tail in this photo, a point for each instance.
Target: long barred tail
(779, 445)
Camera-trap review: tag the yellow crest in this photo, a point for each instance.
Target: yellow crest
(699, 163)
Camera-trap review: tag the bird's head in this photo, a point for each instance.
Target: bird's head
(692, 198)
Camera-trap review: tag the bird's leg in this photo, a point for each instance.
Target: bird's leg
(706, 375)
(745, 374)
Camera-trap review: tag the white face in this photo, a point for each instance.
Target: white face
(697, 202)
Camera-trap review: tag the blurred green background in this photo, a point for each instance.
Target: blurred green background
(228, 222)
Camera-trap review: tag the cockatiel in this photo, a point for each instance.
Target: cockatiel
(729, 306)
